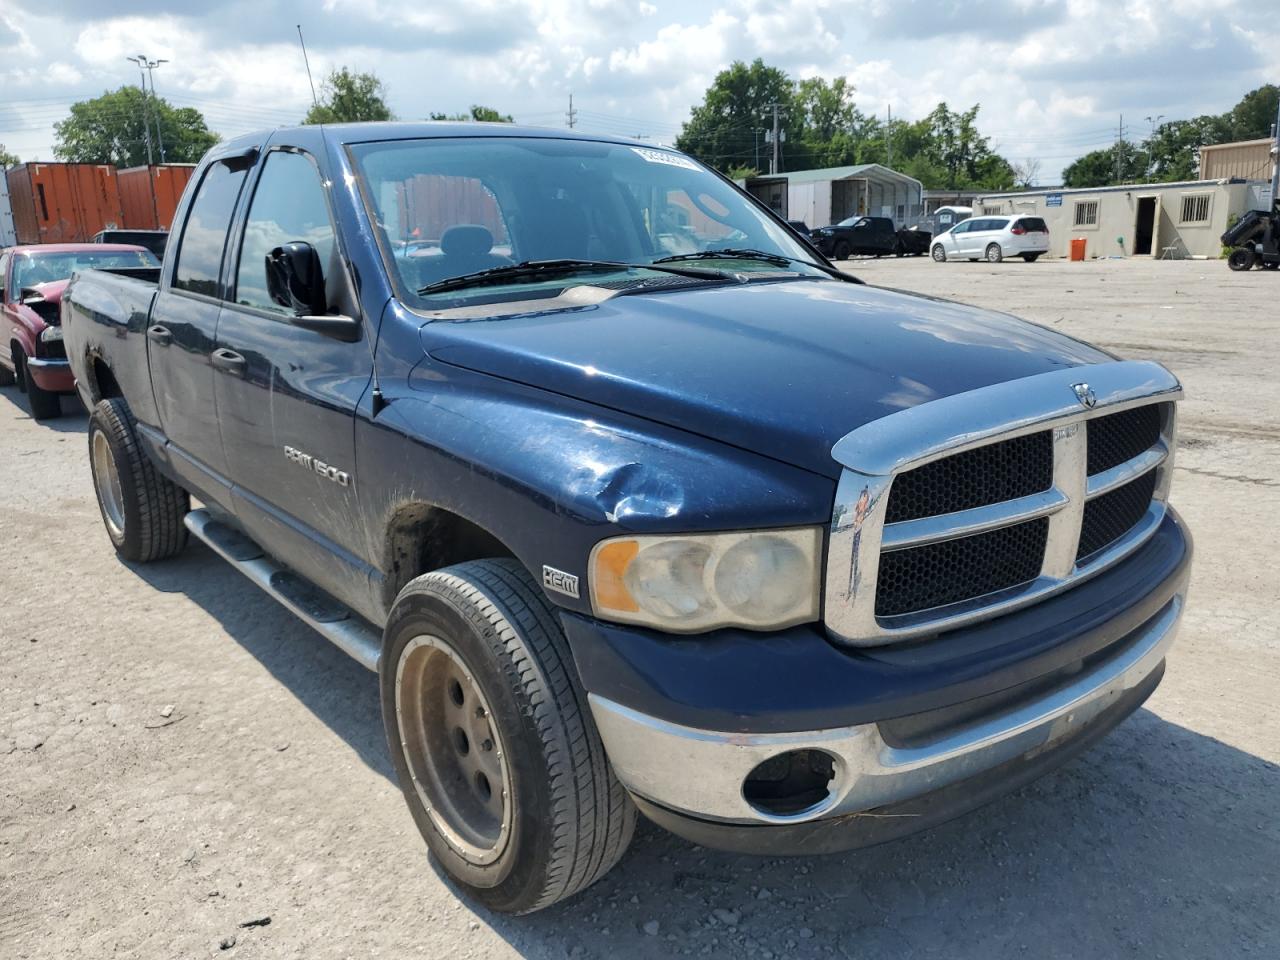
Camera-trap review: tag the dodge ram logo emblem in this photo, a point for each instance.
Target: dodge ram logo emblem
(1085, 394)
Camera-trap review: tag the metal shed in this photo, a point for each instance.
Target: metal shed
(831, 194)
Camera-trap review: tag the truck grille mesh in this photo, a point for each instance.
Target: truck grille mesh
(1120, 437)
(941, 573)
(1110, 516)
(976, 478)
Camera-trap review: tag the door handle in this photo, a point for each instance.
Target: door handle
(228, 360)
(160, 335)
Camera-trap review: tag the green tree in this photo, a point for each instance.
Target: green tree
(724, 130)
(114, 128)
(350, 98)
(1252, 117)
(478, 113)
(1171, 151)
(1122, 162)
(7, 159)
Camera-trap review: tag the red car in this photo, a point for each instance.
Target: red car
(33, 277)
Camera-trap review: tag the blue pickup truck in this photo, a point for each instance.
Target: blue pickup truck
(631, 499)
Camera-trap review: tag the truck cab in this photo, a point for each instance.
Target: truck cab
(632, 501)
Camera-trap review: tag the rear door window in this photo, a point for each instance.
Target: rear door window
(204, 238)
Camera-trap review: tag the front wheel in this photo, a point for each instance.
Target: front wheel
(939, 254)
(841, 251)
(43, 404)
(141, 508)
(1031, 257)
(994, 253)
(1241, 258)
(497, 754)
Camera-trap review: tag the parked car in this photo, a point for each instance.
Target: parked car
(153, 240)
(868, 236)
(31, 349)
(993, 239)
(787, 562)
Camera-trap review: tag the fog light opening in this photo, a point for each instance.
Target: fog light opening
(790, 783)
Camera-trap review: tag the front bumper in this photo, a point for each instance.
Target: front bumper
(52, 375)
(915, 735)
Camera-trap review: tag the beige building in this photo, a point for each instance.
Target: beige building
(1243, 160)
(1174, 220)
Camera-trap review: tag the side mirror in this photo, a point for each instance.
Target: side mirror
(295, 279)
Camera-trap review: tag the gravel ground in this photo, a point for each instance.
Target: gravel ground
(180, 758)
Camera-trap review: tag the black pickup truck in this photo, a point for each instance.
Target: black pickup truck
(870, 237)
(631, 499)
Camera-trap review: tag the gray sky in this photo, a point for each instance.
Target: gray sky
(1053, 76)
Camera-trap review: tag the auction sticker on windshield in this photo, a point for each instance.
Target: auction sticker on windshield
(661, 156)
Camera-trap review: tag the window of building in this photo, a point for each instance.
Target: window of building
(990, 211)
(1195, 208)
(205, 235)
(1086, 213)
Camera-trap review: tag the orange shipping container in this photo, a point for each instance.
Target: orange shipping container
(63, 202)
(149, 195)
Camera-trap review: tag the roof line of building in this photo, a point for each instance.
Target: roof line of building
(1130, 187)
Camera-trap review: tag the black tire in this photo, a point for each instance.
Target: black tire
(569, 819)
(994, 254)
(1271, 264)
(938, 253)
(150, 506)
(898, 249)
(1241, 258)
(1031, 257)
(42, 404)
(7, 377)
(841, 251)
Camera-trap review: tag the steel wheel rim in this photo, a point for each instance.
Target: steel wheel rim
(106, 478)
(455, 755)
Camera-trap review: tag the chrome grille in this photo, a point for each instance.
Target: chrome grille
(974, 505)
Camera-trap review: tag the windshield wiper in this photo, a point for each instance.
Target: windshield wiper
(735, 253)
(536, 269)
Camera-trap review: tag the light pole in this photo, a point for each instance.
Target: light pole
(146, 111)
(1154, 121)
(151, 65)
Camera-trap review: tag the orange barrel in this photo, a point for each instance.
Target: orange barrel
(1077, 247)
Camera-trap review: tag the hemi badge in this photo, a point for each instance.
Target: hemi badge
(559, 581)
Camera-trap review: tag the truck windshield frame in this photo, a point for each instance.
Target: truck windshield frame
(452, 206)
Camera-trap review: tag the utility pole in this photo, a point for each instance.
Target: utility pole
(307, 63)
(146, 109)
(151, 65)
(1275, 159)
(572, 115)
(774, 158)
(1119, 149)
(888, 137)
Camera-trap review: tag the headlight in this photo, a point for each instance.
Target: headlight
(51, 334)
(763, 579)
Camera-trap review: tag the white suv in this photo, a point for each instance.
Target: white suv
(993, 239)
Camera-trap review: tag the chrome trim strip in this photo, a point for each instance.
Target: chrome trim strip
(912, 437)
(874, 453)
(966, 523)
(41, 363)
(1118, 476)
(353, 636)
(701, 772)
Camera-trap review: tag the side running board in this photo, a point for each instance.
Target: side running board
(339, 625)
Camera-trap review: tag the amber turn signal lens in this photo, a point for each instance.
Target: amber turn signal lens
(611, 565)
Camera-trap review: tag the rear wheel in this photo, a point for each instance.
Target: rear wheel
(939, 254)
(1241, 258)
(43, 404)
(497, 754)
(141, 509)
(1031, 257)
(994, 253)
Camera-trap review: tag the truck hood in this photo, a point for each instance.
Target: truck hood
(783, 369)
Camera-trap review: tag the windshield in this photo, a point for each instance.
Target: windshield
(46, 267)
(449, 208)
(852, 222)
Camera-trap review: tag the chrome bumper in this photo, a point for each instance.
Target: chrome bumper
(701, 772)
(39, 363)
